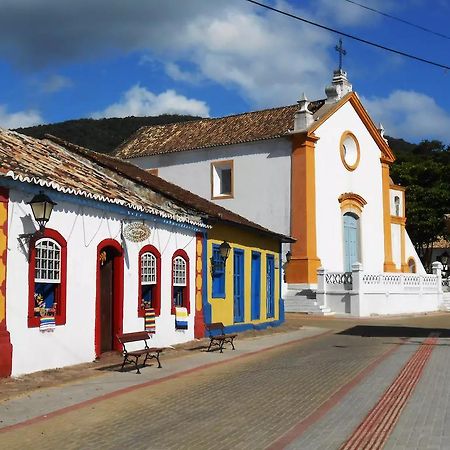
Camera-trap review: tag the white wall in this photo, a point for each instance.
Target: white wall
(333, 179)
(262, 178)
(84, 228)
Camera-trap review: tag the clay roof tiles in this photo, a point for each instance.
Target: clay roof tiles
(247, 127)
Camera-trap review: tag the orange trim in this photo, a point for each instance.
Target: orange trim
(352, 97)
(304, 262)
(348, 166)
(226, 163)
(350, 202)
(398, 220)
(389, 265)
(396, 187)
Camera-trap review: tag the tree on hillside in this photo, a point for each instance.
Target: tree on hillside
(425, 174)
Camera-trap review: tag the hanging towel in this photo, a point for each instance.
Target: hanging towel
(181, 318)
(47, 323)
(150, 324)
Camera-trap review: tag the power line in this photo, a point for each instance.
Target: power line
(399, 19)
(350, 36)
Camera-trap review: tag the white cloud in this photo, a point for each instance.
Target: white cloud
(410, 115)
(138, 101)
(55, 83)
(19, 118)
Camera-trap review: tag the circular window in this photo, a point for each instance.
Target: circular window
(349, 151)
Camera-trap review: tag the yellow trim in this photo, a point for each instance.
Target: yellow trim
(345, 135)
(228, 163)
(389, 265)
(351, 202)
(304, 262)
(3, 249)
(398, 220)
(352, 97)
(396, 187)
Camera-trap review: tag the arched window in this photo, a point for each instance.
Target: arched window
(149, 280)
(180, 280)
(411, 265)
(397, 205)
(47, 278)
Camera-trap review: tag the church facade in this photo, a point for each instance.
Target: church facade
(318, 171)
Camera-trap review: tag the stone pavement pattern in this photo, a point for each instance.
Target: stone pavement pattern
(245, 403)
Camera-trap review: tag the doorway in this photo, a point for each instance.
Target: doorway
(109, 310)
(351, 241)
(256, 285)
(238, 284)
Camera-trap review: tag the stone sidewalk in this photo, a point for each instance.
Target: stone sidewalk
(45, 401)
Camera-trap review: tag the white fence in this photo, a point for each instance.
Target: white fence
(362, 294)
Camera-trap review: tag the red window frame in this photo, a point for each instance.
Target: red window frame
(157, 291)
(60, 290)
(186, 289)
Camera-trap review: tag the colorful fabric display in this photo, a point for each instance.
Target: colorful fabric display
(181, 318)
(150, 323)
(47, 323)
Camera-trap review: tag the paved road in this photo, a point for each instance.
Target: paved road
(307, 394)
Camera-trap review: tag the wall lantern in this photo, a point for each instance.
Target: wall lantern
(288, 256)
(444, 258)
(224, 251)
(42, 207)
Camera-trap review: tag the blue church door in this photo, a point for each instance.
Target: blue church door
(238, 284)
(351, 241)
(270, 286)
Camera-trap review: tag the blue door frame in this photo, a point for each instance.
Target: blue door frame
(351, 241)
(238, 284)
(270, 286)
(256, 285)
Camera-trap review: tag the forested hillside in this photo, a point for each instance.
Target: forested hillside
(102, 135)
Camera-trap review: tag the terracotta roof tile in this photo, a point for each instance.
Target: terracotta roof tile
(46, 163)
(176, 137)
(187, 199)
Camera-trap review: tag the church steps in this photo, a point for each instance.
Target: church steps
(304, 301)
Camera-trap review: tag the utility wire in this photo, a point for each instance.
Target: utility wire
(350, 36)
(420, 27)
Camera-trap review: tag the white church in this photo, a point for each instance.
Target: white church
(319, 172)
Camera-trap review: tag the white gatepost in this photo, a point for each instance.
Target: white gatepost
(321, 293)
(357, 298)
(437, 270)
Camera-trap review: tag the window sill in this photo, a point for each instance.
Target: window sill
(222, 197)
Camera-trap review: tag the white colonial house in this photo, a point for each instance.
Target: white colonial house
(318, 171)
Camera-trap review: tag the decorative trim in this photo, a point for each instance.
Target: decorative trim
(187, 288)
(396, 187)
(398, 220)
(351, 202)
(60, 318)
(199, 320)
(345, 135)
(389, 265)
(387, 155)
(157, 291)
(227, 163)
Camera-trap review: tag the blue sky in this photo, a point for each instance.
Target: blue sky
(62, 60)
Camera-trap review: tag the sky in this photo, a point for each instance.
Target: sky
(65, 59)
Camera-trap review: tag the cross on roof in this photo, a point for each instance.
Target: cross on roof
(341, 52)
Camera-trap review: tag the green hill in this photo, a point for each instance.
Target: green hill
(102, 135)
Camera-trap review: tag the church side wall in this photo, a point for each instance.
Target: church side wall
(261, 172)
(83, 228)
(333, 179)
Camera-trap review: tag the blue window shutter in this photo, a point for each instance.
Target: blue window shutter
(218, 274)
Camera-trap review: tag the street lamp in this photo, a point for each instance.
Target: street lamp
(224, 251)
(42, 207)
(444, 258)
(288, 256)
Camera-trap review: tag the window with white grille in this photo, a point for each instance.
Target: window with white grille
(148, 268)
(47, 262)
(179, 271)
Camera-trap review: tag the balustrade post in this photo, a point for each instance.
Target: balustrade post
(357, 289)
(437, 270)
(321, 294)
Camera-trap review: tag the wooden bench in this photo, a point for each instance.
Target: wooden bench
(218, 337)
(149, 352)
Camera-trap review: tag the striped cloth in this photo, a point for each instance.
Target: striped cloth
(47, 323)
(181, 318)
(150, 323)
